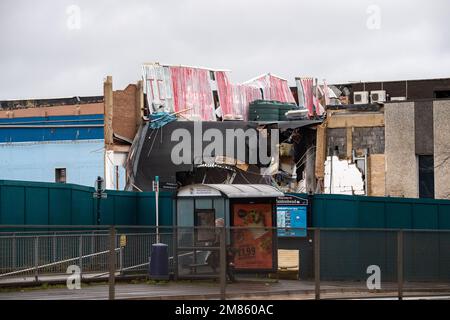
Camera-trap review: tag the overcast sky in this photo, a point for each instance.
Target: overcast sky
(48, 50)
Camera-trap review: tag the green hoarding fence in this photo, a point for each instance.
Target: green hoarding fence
(36, 203)
(343, 211)
(345, 255)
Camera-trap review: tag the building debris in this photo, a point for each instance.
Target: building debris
(343, 177)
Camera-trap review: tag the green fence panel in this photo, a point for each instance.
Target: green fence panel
(343, 211)
(371, 213)
(444, 216)
(60, 206)
(146, 208)
(13, 205)
(425, 216)
(338, 211)
(23, 202)
(398, 214)
(125, 209)
(36, 205)
(81, 209)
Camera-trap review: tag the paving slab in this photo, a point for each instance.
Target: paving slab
(247, 289)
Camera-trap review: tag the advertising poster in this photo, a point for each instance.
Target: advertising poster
(291, 216)
(205, 218)
(253, 247)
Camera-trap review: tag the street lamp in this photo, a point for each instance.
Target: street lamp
(99, 193)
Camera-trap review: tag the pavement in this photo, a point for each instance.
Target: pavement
(243, 289)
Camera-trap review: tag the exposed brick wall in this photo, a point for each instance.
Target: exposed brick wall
(369, 138)
(63, 110)
(337, 137)
(124, 112)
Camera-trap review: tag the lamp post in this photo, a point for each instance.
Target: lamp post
(156, 189)
(99, 194)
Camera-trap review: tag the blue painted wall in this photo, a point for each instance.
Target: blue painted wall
(36, 161)
(82, 127)
(32, 148)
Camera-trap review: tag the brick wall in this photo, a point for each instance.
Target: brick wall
(124, 112)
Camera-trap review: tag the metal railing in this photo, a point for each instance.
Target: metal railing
(344, 260)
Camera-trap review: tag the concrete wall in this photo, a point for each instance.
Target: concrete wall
(36, 161)
(441, 131)
(401, 162)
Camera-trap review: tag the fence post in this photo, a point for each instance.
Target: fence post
(400, 264)
(14, 253)
(80, 252)
(121, 260)
(54, 247)
(112, 262)
(93, 249)
(36, 258)
(317, 263)
(175, 252)
(223, 263)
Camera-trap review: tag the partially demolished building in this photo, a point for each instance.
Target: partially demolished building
(334, 146)
(178, 97)
(366, 138)
(391, 147)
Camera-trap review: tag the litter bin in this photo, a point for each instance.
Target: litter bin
(159, 262)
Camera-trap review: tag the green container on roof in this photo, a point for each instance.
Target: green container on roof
(269, 110)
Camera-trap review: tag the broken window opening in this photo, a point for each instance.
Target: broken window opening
(60, 175)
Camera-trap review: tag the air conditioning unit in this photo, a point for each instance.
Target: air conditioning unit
(398, 98)
(377, 96)
(360, 97)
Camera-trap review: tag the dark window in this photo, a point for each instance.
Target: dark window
(426, 177)
(442, 94)
(60, 175)
(212, 75)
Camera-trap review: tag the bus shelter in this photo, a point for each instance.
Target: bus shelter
(248, 212)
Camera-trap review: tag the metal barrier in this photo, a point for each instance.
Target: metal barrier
(349, 262)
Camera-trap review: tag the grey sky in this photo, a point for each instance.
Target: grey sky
(40, 56)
